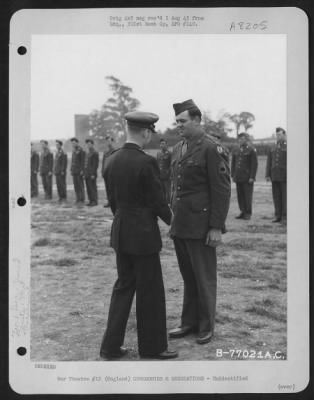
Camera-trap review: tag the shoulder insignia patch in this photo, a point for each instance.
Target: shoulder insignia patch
(220, 149)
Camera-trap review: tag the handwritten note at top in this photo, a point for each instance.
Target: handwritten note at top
(171, 21)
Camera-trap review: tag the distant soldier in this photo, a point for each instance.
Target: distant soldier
(60, 168)
(164, 163)
(109, 150)
(77, 170)
(91, 166)
(34, 171)
(276, 172)
(243, 172)
(46, 168)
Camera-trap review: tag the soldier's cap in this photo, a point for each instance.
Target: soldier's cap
(44, 141)
(88, 140)
(74, 139)
(142, 119)
(60, 142)
(244, 134)
(280, 130)
(185, 106)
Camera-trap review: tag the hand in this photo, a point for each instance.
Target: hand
(251, 180)
(82, 173)
(267, 179)
(92, 177)
(49, 173)
(62, 173)
(213, 237)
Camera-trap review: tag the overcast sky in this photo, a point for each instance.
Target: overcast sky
(219, 72)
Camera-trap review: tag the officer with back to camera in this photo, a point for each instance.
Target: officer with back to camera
(46, 169)
(60, 171)
(77, 171)
(90, 173)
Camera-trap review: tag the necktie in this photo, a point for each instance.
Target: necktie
(184, 148)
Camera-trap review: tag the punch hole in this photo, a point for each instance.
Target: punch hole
(21, 351)
(22, 50)
(21, 201)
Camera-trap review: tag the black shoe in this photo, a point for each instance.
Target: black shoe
(106, 205)
(89, 204)
(93, 204)
(204, 337)
(240, 216)
(165, 355)
(276, 220)
(115, 354)
(182, 331)
(246, 217)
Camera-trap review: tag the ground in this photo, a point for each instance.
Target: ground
(73, 271)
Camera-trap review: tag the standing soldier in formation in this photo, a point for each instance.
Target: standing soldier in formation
(60, 170)
(77, 170)
(46, 169)
(34, 171)
(276, 172)
(243, 172)
(109, 150)
(164, 163)
(90, 173)
(200, 202)
(136, 200)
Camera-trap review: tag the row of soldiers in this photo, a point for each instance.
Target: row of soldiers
(244, 164)
(84, 166)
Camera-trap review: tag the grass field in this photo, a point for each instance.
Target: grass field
(73, 271)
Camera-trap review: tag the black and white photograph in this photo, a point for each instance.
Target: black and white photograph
(163, 173)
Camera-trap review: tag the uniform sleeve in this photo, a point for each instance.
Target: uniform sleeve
(154, 192)
(96, 163)
(50, 162)
(219, 187)
(36, 163)
(65, 162)
(108, 186)
(254, 163)
(233, 162)
(83, 155)
(268, 164)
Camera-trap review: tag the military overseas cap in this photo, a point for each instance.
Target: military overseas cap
(244, 134)
(60, 142)
(44, 141)
(74, 139)
(185, 106)
(89, 140)
(142, 119)
(280, 130)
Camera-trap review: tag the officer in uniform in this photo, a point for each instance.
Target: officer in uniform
(164, 163)
(34, 171)
(276, 172)
(200, 201)
(136, 200)
(46, 169)
(60, 170)
(107, 152)
(91, 166)
(77, 170)
(243, 171)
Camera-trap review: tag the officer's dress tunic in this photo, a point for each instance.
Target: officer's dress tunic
(34, 172)
(77, 171)
(46, 169)
(60, 168)
(243, 167)
(164, 163)
(106, 154)
(136, 200)
(200, 200)
(276, 170)
(91, 166)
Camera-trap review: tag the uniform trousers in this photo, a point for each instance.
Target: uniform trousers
(61, 186)
(279, 190)
(245, 197)
(91, 188)
(166, 184)
(47, 185)
(78, 182)
(34, 185)
(141, 274)
(198, 266)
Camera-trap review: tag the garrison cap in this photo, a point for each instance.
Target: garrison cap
(44, 141)
(142, 119)
(185, 106)
(74, 139)
(89, 140)
(60, 142)
(244, 134)
(280, 130)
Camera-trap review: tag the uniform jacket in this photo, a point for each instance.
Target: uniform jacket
(91, 163)
(78, 161)
(164, 163)
(200, 188)
(46, 162)
(136, 200)
(244, 164)
(107, 153)
(276, 166)
(34, 162)
(61, 162)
